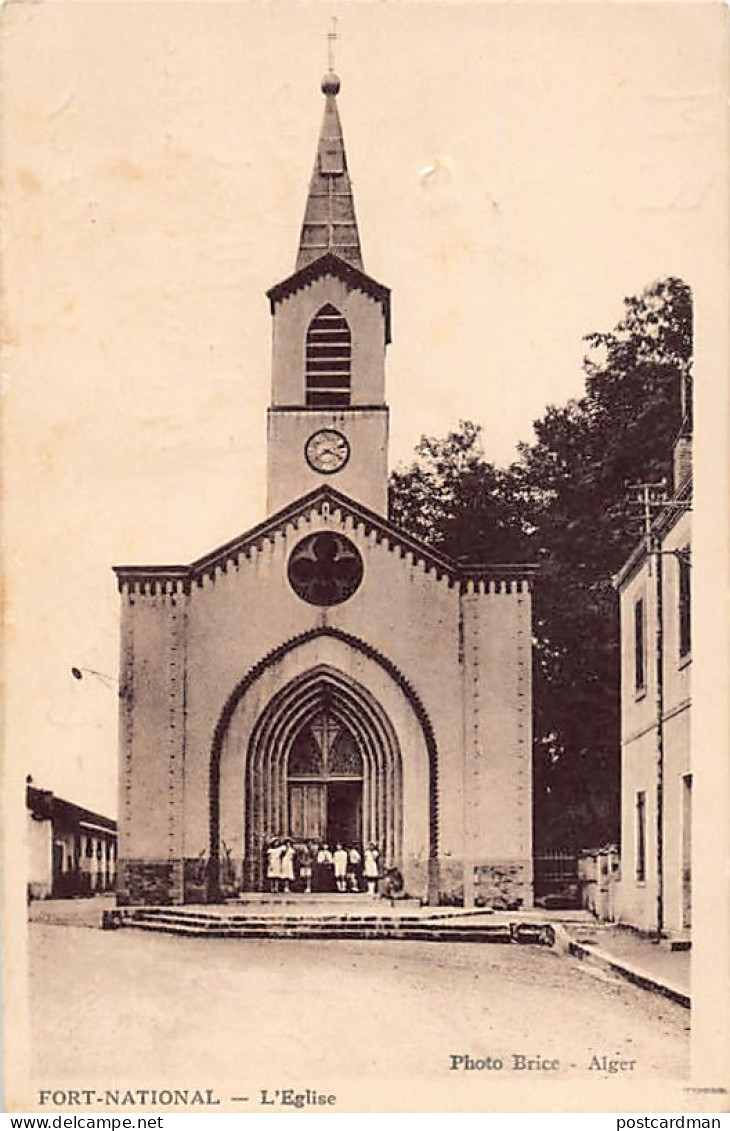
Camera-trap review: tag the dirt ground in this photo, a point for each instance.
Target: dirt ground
(130, 1006)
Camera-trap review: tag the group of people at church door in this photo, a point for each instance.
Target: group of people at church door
(316, 868)
(337, 871)
(345, 869)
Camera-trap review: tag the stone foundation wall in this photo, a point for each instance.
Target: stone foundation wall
(196, 878)
(149, 882)
(503, 884)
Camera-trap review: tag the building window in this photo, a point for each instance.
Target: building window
(329, 351)
(641, 837)
(639, 646)
(685, 621)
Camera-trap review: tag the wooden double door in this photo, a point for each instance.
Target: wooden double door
(326, 812)
(324, 780)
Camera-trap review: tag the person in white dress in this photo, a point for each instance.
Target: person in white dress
(287, 865)
(371, 868)
(339, 859)
(274, 853)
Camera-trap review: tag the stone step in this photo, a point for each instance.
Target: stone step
(351, 925)
(202, 917)
(369, 935)
(224, 928)
(271, 921)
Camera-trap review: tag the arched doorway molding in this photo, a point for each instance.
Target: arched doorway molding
(321, 689)
(276, 656)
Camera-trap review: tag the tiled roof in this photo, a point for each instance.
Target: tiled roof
(44, 803)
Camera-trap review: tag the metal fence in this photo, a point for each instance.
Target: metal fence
(556, 880)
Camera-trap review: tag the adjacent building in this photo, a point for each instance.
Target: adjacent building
(71, 851)
(325, 676)
(654, 588)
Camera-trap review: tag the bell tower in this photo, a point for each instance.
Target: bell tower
(328, 421)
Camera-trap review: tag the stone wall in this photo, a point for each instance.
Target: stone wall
(503, 884)
(197, 871)
(149, 882)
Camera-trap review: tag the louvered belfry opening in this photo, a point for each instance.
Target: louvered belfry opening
(329, 350)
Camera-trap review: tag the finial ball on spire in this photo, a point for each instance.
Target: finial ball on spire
(330, 83)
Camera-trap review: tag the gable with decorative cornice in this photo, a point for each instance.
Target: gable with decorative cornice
(326, 501)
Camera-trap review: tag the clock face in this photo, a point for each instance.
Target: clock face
(327, 451)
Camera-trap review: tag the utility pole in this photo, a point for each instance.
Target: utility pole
(652, 497)
(654, 548)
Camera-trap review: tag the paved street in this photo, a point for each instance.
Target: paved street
(126, 1005)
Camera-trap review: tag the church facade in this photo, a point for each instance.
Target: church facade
(324, 676)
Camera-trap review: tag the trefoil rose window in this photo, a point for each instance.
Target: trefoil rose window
(325, 568)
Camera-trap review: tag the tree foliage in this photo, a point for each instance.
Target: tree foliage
(563, 503)
(455, 500)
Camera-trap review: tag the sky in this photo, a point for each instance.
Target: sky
(518, 169)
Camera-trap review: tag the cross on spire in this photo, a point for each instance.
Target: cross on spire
(332, 38)
(329, 218)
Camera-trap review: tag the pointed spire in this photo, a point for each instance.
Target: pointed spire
(329, 218)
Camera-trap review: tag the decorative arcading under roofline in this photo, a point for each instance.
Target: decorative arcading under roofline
(498, 578)
(153, 581)
(328, 503)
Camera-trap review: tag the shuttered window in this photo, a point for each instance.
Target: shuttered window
(639, 647)
(329, 350)
(685, 623)
(641, 837)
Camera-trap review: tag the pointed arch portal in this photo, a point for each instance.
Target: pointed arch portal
(323, 764)
(323, 747)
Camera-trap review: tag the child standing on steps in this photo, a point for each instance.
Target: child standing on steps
(372, 869)
(339, 858)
